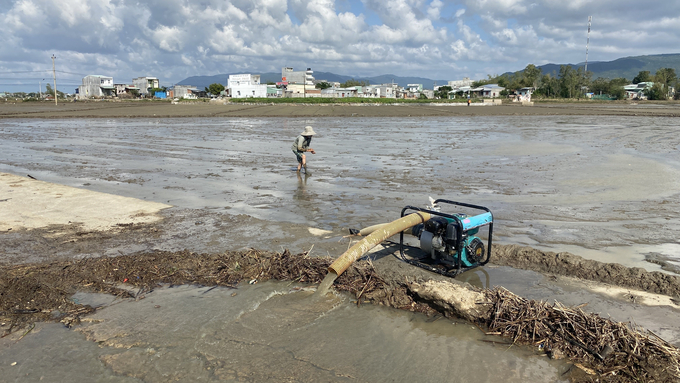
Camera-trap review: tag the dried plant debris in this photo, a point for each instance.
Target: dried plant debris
(599, 348)
(610, 351)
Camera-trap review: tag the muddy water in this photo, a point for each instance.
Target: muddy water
(601, 187)
(605, 188)
(267, 333)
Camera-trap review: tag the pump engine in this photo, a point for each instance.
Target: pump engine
(450, 241)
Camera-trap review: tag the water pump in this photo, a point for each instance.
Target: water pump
(450, 241)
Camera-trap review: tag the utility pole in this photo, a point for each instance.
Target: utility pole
(54, 76)
(585, 71)
(590, 19)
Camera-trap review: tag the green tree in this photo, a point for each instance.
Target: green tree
(666, 77)
(531, 76)
(443, 92)
(642, 76)
(549, 86)
(215, 89)
(49, 91)
(569, 81)
(617, 92)
(352, 82)
(655, 92)
(619, 82)
(600, 86)
(503, 81)
(322, 85)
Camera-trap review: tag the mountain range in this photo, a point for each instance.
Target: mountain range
(626, 67)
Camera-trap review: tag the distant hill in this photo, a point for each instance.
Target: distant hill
(626, 67)
(203, 81)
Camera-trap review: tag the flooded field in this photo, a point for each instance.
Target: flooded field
(605, 188)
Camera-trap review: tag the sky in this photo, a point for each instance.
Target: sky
(435, 39)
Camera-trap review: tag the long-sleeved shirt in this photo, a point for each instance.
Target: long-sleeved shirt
(301, 144)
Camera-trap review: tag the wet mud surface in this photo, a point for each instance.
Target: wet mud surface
(603, 189)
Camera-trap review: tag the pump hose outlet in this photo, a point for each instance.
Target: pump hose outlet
(374, 238)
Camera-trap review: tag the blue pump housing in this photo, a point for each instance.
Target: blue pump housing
(450, 240)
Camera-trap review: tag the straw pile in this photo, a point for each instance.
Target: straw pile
(604, 349)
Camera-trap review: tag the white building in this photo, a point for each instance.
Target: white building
(288, 75)
(144, 84)
(382, 91)
(524, 94)
(354, 91)
(246, 85)
(95, 86)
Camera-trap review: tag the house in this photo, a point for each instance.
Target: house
(298, 83)
(245, 86)
(273, 91)
(145, 84)
(297, 77)
(637, 91)
(487, 91)
(463, 91)
(185, 91)
(414, 88)
(342, 92)
(296, 90)
(122, 89)
(95, 86)
(429, 93)
(523, 94)
(382, 91)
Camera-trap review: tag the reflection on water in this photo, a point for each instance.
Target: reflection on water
(477, 277)
(301, 191)
(272, 332)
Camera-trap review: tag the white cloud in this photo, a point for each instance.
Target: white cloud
(434, 10)
(434, 38)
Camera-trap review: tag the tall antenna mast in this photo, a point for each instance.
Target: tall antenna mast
(54, 74)
(590, 19)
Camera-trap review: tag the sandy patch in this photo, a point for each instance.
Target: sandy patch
(26, 203)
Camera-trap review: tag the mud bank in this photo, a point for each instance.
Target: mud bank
(527, 258)
(145, 109)
(599, 348)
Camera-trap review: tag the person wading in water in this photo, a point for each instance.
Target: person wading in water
(301, 146)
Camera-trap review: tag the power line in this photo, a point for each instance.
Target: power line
(26, 78)
(31, 84)
(77, 74)
(26, 71)
(41, 71)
